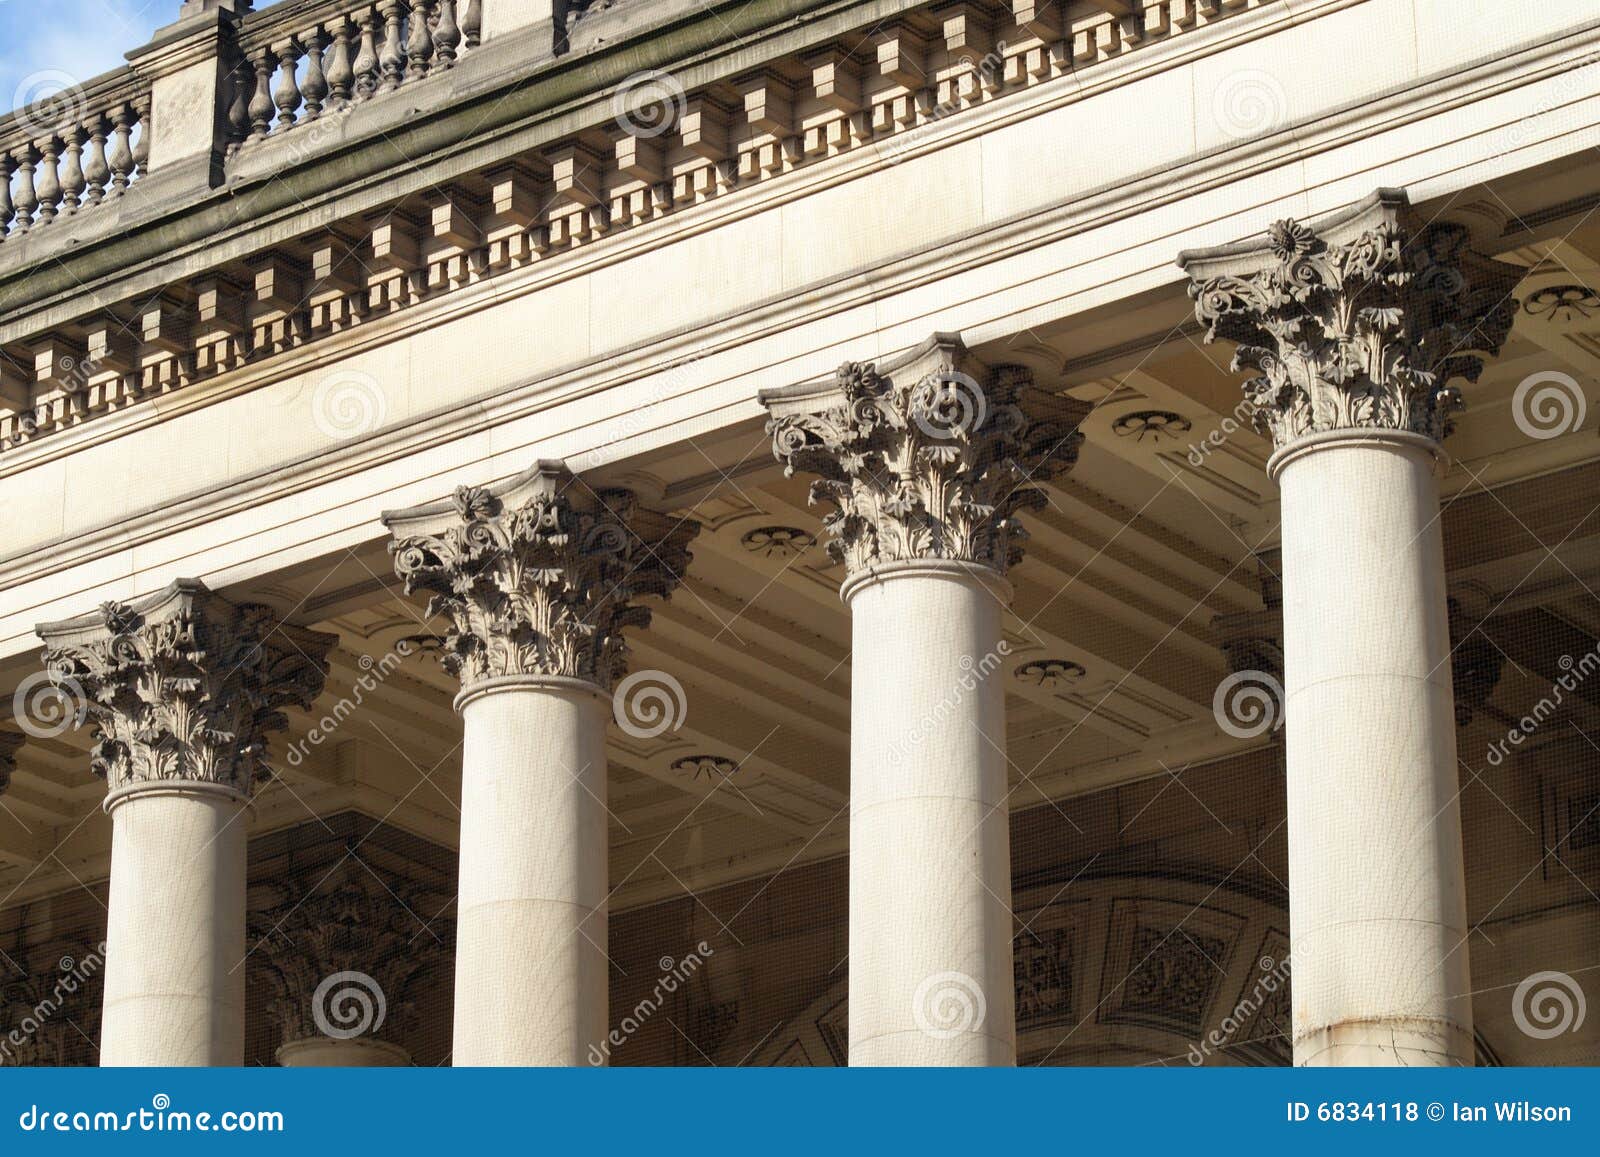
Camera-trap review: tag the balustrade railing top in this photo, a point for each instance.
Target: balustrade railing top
(289, 65)
(73, 148)
(307, 59)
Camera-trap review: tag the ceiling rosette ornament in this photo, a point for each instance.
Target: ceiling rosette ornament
(1363, 322)
(930, 457)
(184, 685)
(540, 577)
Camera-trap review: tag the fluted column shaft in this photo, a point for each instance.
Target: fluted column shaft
(1357, 328)
(183, 688)
(927, 462)
(538, 579)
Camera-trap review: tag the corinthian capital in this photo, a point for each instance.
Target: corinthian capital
(342, 951)
(10, 744)
(539, 577)
(184, 686)
(1362, 322)
(927, 457)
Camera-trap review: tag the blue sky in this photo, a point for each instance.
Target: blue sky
(81, 38)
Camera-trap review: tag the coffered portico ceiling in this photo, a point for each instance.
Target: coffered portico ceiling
(323, 334)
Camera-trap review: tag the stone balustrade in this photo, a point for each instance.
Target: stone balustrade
(71, 150)
(639, 146)
(299, 63)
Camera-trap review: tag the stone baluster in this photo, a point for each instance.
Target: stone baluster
(472, 23)
(141, 147)
(261, 103)
(446, 34)
(341, 74)
(72, 179)
(366, 66)
(26, 199)
(392, 57)
(1357, 329)
(96, 170)
(539, 580)
(48, 180)
(183, 689)
(121, 156)
(927, 463)
(315, 86)
(419, 45)
(287, 93)
(7, 210)
(241, 83)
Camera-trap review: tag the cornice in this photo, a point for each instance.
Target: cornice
(484, 111)
(1156, 188)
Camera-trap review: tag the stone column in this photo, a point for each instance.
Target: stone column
(926, 462)
(183, 688)
(538, 580)
(1358, 328)
(344, 951)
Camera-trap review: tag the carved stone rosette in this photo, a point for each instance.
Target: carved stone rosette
(928, 457)
(10, 744)
(539, 577)
(184, 686)
(1362, 322)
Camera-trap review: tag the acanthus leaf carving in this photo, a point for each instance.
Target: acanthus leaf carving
(540, 578)
(1365, 324)
(933, 457)
(185, 685)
